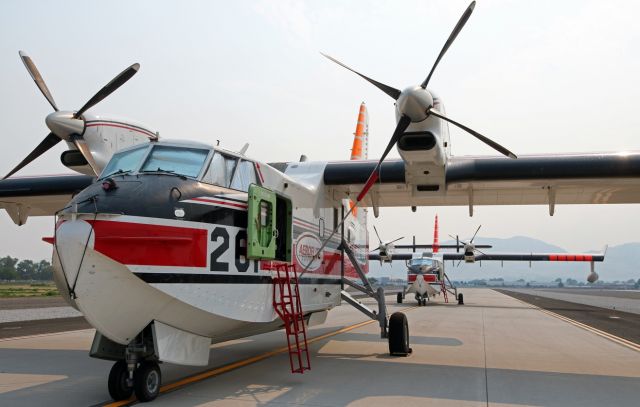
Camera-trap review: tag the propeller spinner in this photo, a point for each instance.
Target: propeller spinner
(68, 125)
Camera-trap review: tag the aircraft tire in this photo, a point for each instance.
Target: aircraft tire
(146, 381)
(399, 335)
(460, 299)
(118, 388)
(399, 298)
(424, 302)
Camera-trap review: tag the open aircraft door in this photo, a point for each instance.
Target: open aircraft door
(269, 226)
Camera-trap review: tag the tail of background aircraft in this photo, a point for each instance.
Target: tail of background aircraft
(360, 149)
(436, 244)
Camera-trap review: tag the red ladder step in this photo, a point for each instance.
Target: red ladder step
(444, 291)
(286, 302)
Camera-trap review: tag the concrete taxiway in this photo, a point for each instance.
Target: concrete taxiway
(495, 350)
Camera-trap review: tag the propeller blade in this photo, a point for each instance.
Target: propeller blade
(393, 92)
(82, 146)
(459, 261)
(109, 88)
(452, 37)
(393, 241)
(37, 78)
(48, 142)
(375, 250)
(480, 251)
(474, 235)
(474, 133)
(376, 230)
(402, 125)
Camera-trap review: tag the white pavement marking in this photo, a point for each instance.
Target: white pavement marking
(613, 303)
(31, 314)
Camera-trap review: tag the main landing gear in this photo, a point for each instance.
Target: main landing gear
(394, 328)
(399, 335)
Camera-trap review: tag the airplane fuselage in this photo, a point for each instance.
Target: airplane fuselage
(138, 247)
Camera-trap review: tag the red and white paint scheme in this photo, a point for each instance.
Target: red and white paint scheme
(154, 251)
(426, 276)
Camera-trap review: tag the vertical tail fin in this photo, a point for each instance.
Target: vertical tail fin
(436, 244)
(360, 149)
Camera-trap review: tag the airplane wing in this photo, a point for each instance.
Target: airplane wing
(22, 197)
(440, 246)
(528, 180)
(583, 257)
(394, 256)
(587, 257)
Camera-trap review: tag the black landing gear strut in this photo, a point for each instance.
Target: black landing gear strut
(394, 328)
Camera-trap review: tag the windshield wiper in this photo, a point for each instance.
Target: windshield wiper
(161, 171)
(119, 172)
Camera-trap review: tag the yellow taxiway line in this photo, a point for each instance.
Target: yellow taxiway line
(232, 366)
(606, 335)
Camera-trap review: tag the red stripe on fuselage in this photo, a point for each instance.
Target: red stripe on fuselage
(151, 245)
(213, 201)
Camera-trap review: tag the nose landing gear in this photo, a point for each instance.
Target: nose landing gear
(145, 383)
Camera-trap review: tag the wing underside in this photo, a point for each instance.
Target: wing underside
(39, 196)
(528, 180)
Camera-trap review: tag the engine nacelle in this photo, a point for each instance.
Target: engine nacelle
(593, 277)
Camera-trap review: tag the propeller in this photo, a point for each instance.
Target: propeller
(376, 230)
(68, 126)
(415, 104)
(381, 244)
(470, 243)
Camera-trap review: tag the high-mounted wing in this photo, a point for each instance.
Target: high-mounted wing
(596, 178)
(39, 196)
(580, 257)
(394, 256)
(440, 246)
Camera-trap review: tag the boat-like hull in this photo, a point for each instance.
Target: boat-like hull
(120, 299)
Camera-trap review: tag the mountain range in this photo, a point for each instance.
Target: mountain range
(620, 263)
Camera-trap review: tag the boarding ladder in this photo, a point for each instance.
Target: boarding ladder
(443, 290)
(286, 302)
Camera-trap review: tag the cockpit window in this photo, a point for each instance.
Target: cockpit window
(124, 162)
(177, 160)
(244, 175)
(421, 262)
(230, 172)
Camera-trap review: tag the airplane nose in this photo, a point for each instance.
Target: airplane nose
(63, 125)
(73, 238)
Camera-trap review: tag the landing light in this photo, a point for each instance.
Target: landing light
(109, 184)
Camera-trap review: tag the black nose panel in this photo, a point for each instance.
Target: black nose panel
(417, 140)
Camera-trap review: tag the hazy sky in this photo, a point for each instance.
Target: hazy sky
(538, 77)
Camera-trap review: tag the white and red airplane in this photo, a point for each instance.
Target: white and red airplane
(173, 245)
(426, 275)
